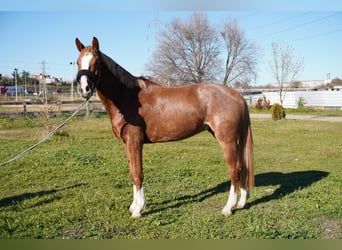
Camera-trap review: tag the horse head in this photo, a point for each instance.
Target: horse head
(88, 67)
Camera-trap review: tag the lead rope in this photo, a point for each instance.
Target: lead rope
(45, 137)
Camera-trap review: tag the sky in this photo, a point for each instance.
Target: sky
(32, 32)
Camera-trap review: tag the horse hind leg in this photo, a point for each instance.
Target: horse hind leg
(229, 151)
(243, 198)
(227, 210)
(235, 176)
(232, 200)
(244, 192)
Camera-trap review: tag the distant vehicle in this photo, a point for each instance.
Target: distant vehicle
(12, 90)
(3, 90)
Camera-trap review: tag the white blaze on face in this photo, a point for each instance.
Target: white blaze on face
(85, 63)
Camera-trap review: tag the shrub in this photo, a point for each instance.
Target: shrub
(301, 102)
(278, 112)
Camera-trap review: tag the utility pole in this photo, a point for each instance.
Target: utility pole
(44, 81)
(45, 94)
(72, 80)
(16, 83)
(25, 82)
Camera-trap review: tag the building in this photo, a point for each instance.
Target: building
(48, 78)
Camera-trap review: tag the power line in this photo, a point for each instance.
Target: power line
(283, 20)
(303, 24)
(291, 18)
(317, 35)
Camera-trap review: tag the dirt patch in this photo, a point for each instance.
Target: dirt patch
(331, 229)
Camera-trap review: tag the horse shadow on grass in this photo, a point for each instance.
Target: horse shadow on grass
(289, 183)
(17, 199)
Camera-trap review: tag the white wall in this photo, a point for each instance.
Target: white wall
(319, 98)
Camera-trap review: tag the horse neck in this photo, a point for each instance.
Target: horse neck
(113, 91)
(122, 76)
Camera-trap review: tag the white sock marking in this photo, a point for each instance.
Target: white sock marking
(227, 210)
(243, 198)
(138, 203)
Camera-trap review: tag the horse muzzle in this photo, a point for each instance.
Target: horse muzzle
(87, 93)
(86, 83)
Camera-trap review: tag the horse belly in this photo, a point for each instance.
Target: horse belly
(172, 123)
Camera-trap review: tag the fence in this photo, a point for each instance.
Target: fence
(57, 108)
(324, 99)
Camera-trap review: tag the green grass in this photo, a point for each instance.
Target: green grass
(77, 184)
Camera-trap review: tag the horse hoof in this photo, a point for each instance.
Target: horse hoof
(135, 215)
(240, 205)
(226, 212)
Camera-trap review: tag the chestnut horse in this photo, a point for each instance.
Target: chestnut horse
(142, 111)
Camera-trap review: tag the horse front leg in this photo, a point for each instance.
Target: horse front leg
(138, 203)
(133, 148)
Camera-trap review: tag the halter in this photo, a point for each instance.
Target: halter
(88, 73)
(91, 76)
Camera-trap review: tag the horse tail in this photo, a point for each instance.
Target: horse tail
(246, 153)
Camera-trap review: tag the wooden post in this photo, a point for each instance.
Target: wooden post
(24, 109)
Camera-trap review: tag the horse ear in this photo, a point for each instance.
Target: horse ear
(79, 45)
(95, 43)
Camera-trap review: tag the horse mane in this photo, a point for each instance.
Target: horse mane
(125, 78)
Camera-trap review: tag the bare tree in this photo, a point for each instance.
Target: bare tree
(187, 52)
(241, 54)
(285, 67)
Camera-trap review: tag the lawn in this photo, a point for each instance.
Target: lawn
(77, 184)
